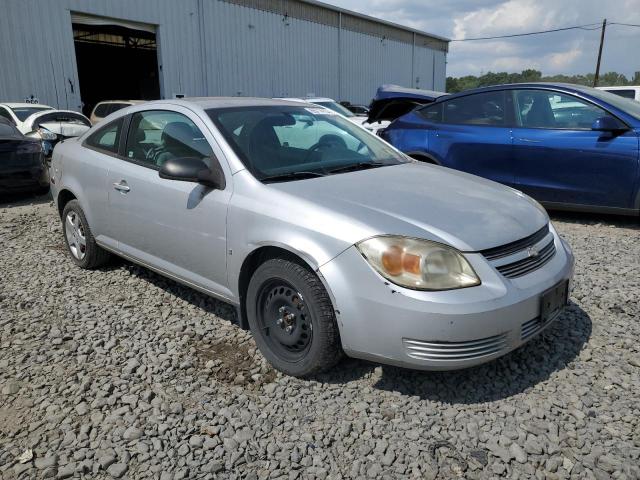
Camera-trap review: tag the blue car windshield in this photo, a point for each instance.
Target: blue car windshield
(281, 142)
(630, 107)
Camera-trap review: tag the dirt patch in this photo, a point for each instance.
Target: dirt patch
(234, 364)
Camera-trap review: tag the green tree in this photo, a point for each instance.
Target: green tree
(467, 82)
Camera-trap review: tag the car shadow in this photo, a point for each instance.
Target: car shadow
(221, 309)
(551, 351)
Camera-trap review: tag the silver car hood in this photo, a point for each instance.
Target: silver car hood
(424, 201)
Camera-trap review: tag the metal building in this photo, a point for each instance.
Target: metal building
(67, 53)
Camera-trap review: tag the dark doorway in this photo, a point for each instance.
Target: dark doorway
(115, 63)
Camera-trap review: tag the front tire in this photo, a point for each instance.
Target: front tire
(82, 247)
(292, 319)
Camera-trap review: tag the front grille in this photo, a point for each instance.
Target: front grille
(514, 247)
(529, 264)
(452, 351)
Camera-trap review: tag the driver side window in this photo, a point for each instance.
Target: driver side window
(548, 109)
(156, 136)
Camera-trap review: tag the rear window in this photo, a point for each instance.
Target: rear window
(23, 112)
(67, 117)
(623, 93)
(102, 110)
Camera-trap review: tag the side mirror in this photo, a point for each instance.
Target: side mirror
(192, 169)
(606, 124)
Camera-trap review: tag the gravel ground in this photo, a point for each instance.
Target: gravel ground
(121, 373)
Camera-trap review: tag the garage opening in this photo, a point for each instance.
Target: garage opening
(117, 60)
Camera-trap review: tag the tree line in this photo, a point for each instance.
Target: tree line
(496, 78)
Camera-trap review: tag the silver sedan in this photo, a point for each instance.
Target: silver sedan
(325, 238)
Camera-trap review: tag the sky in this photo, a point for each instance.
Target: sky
(570, 52)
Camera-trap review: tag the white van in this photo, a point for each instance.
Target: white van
(632, 92)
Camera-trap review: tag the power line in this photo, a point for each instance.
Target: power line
(587, 27)
(625, 24)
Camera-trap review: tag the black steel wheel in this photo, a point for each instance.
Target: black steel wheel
(292, 319)
(284, 319)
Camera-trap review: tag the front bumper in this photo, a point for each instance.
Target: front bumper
(445, 330)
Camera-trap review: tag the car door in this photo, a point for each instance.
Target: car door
(560, 159)
(174, 226)
(471, 134)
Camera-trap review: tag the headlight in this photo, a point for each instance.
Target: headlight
(418, 264)
(47, 135)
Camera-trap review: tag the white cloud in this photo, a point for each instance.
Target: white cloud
(569, 52)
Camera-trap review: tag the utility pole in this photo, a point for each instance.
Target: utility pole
(597, 75)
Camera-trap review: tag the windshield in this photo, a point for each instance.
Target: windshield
(628, 106)
(23, 112)
(336, 107)
(280, 142)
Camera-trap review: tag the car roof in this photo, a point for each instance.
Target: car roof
(49, 112)
(227, 102)
(25, 105)
(566, 87)
(132, 102)
(389, 91)
(307, 100)
(618, 87)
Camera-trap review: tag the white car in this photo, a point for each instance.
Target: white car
(629, 91)
(45, 123)
(107, 107)
(19, 113)
(342, 110)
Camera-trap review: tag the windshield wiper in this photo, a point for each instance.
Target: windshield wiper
(358, 166)
(291, 176)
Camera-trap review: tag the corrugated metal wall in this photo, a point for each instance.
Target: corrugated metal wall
(213, 47)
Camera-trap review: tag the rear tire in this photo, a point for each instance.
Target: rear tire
(292, 319)
(82, 247)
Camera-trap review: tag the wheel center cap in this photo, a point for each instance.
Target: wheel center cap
(286, 321)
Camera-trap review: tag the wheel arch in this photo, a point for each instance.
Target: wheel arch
(423, 157)
(260, 255)
(64, 196)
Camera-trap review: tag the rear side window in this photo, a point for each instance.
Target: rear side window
(432, 113)
(479, 109)
(107, 138)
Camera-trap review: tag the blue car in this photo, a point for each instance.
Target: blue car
(568, 146)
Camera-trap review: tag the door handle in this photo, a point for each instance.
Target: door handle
(122, 186)
(530, 140)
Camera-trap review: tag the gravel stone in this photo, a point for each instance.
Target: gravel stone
(117, 470)
(121, 373)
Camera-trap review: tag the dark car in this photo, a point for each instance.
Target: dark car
(568, 146)
(22, 162)
(393, 101)
(359, 110)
